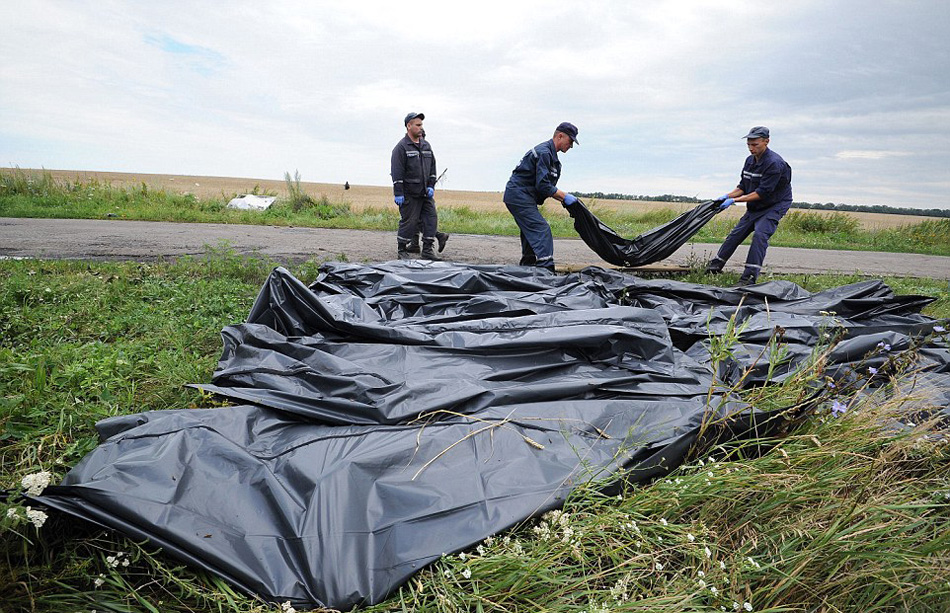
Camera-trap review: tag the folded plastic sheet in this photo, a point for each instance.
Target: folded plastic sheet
(396, 412)
(651, 246)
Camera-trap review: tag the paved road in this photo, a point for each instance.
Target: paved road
(145, 240)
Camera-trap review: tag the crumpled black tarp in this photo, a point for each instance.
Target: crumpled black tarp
(399, 411)
(651, 246)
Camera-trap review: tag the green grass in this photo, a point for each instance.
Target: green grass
(24, 194)
(838, 516)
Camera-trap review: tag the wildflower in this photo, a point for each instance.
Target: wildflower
(37, 517)
(838, 408)
(831, 384)
(690, 537)
(722, 564)
(467, 573)
(708, 553)
(714, 590)
(462, 556)
(659, 566)
(884, 346)
(35, 484)
(872, 370)
(939, 329)
(701, 574)
(702, 584)
(747, 606)
(735, 605)
(447, 573)
(663, 521)
(11, 512)
(287, 608)
(100, 580)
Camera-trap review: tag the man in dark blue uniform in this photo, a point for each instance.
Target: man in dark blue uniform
(413, 171)
(766, 188)
(532, 182)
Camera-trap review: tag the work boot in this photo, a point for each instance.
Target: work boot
(428, 253)
(746, 280)
(443, 238)
(413, 245)
(402, 249)
(714, 267)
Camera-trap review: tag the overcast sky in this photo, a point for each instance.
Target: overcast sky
(856, 93)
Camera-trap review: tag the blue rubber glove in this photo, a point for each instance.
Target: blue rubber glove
(430, 192)
(723, 197)
(569, 199)
(728, 202)
(399, 200)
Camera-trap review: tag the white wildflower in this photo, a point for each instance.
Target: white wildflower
(701, 463)
(462, 556)
(702, 584)
(100, 580)
(480, 550)
(286, 607)
(658, 566)
(35, 484)
(37, 517)
(11, 512)
(447, 573)
(735, 605)
(708, 552)
(714, 590)
(701, 574)
(722, 564)
(690, 537)
(663, 521)
(467, 573)
(747, 606)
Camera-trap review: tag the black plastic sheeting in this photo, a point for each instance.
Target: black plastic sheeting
(396, 412)
(651, 246)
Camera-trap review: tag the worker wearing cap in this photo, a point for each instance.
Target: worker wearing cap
(413, 171)
(532, 182)
(765, 187)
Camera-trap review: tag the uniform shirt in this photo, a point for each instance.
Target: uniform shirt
(412, 167)
(770, 177)
(534, 179)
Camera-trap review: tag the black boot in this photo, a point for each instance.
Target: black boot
(402, 249)
(443, 238)
(428, 253)
(413, 245)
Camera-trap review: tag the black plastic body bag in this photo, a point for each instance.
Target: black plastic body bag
(651, 246)
(392, 413)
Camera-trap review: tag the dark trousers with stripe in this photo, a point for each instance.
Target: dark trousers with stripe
(537, 242)
(761, 225)
(416, 212)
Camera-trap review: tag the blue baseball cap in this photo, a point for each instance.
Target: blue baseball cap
(758, 132)
(412, 116)
(569, 129)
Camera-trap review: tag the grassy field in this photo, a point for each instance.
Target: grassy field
(841, 515)
(87, 195)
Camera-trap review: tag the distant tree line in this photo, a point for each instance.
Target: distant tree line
(827, 206)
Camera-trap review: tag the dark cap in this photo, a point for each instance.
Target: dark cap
(569, 129)
(758, 132)
(412, 116)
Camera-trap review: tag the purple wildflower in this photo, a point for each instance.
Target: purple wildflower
(884, 346)
(939, 329)
(838, 408)
(872, 370)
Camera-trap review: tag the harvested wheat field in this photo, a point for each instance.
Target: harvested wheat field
(374, 196)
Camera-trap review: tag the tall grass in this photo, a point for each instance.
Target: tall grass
(25, 194)
(841, 515)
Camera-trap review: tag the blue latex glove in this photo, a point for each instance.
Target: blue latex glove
(430, 192)
(569, 199)
(728, 202)
(723, 197)
(399, 200)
